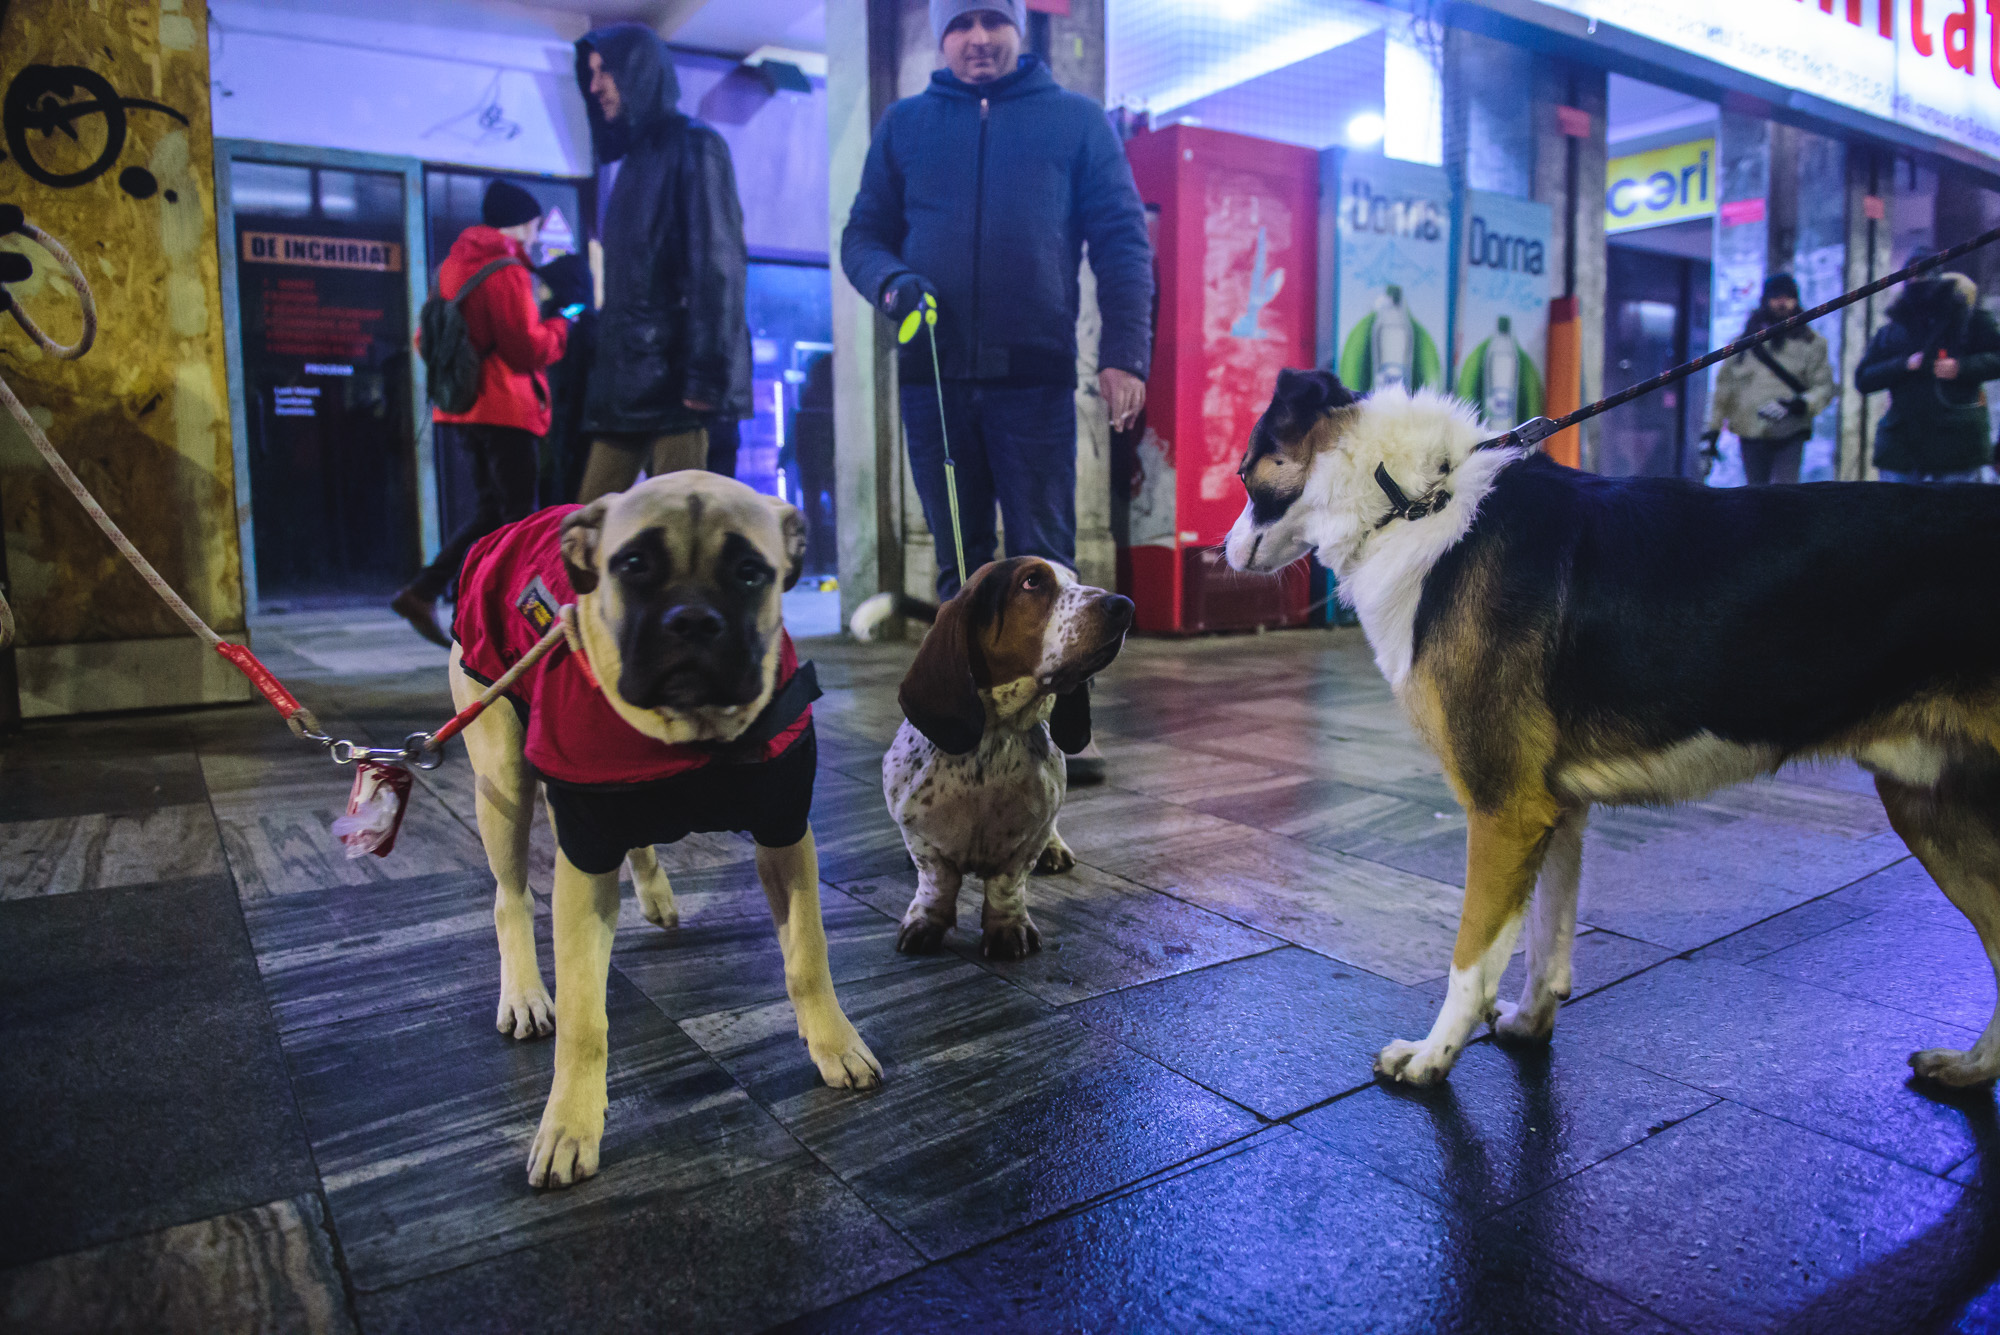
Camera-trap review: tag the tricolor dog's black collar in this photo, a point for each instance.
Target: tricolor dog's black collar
(1401, 506)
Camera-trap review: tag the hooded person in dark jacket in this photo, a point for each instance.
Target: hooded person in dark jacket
(1936, 350)
(981, 193)
(672, 341)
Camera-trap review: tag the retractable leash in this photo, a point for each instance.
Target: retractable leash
(908, 330)
(382, 779)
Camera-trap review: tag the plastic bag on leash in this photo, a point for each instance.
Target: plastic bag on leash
(374, 809)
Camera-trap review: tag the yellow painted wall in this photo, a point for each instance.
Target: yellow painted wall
(143, 417)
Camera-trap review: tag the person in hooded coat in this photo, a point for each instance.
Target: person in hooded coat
(1769, 395)
(1932, 355)
(673, 344)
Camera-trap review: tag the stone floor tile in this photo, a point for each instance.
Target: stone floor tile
(1735, 1221)
(144, 1085)
(712, 963)
(1832, 1063)
(350, 951)
(1905, 890)
(1916, 964)
(48, 780)
(758, 1247)
(64, 854)
(1099, 933)
(421, 1121)
(995, 1109)
(1508, 1122)
(1382, 919)
(276, 815)
(1285, 1236)
(1276, 1032)
(267, 1270)
(852, 829)
(1687, 889)
(1779, 931)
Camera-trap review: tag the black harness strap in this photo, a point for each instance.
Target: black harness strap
(787, 703)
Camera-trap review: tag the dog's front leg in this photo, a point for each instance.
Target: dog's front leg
(1551, 936)
(1504, 850)
(1007, 932)
(933, 909)
(586, 917)
(791, 884)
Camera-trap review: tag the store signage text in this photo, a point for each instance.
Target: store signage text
(1363, 210)
(1931, 66)
(322, 252)
(1490, 248)
(1662, 185)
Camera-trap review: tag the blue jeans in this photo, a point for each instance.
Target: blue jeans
(1889, 475)
(1014, 445)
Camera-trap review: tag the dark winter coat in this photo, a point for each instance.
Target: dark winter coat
(673, 326)
(1933, 426)
(990, 191)
(515, 343)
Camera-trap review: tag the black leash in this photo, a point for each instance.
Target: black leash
(1538, 429)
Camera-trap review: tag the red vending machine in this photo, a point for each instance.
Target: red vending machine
(1237, 249)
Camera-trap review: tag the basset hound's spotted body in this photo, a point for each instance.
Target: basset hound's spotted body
(975, 776)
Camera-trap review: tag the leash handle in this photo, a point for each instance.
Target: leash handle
(1538, 429)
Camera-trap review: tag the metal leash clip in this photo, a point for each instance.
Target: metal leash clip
(416, 751)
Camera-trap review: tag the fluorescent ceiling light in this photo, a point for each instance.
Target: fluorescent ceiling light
(1366, 129)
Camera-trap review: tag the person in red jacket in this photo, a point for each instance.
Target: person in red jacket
(516, 346)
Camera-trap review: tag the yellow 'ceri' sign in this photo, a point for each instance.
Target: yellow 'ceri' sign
(1662, 185)
(322, 252)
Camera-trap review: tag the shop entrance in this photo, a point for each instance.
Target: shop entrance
(1655, 318)
(322, 290)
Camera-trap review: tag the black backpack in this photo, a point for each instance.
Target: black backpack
(451, 363)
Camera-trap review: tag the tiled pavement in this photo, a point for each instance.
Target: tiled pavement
(250, 1085)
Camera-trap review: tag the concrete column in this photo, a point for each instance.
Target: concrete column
(1816, 219)
(1076, 58)
(1866, 259)
(1742, 233)
(1569, 176)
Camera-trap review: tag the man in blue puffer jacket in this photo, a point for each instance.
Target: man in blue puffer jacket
(982, 191)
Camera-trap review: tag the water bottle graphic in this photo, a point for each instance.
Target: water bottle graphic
(1393, 340)
(1501, 377)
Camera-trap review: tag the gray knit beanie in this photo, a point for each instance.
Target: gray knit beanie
(944, 11)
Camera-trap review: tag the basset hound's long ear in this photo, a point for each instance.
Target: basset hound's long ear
(939, 695)
(1069, 721)
(580, 533)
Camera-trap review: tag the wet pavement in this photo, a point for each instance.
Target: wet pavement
(251, 1085)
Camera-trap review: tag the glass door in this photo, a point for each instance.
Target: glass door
(327, 366)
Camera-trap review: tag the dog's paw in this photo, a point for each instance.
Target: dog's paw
(844, 1061)
(659, 908)
(921, 936)
(565, 1148)
(1948, 1066)
(526, 1012)
(1010, 940)
(1411, 1064)
(1516, 1024)
(1056, 859)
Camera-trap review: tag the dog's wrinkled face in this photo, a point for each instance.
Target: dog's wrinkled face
(1306, 414)
(689, 570)
(1023, 629)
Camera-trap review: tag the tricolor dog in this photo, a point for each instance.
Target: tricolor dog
(997, 693)
(677, 706)
(1561, 640)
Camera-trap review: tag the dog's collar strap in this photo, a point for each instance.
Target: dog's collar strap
(787, 703)
(1401, 506)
